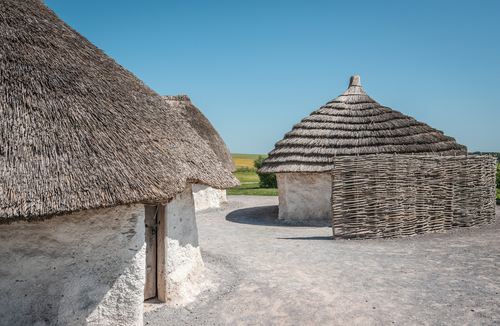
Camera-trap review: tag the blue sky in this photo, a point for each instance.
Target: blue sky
(256, 68)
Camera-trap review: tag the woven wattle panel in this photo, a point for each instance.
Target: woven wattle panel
(378, 196)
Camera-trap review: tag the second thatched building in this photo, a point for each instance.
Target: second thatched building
(351, 124)
(204, 195)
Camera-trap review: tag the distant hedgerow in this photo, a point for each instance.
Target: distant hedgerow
(498, 175)
(498, 183)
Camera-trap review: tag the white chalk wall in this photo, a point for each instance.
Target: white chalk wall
(85, 268)
(304, 196)
(183, 262)
(208, 197)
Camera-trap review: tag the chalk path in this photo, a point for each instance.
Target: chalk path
(260, 271)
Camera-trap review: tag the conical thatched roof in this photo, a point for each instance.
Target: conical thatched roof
(354, 124)
(182, 103)
(78, 131)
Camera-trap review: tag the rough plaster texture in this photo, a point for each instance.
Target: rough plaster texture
(85, 268)
(183, 263)
(304, 196)
(208, 197)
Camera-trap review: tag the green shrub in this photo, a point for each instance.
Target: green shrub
(498, 183)
(498, 175)
(258, 162)
(266, 180)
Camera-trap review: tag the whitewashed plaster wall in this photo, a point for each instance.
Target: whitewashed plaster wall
(85, 268)
(182, 265)
(304, 196)
(208, 197)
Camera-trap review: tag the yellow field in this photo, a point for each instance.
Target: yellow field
(243, 162)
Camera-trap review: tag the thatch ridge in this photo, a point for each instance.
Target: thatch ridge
(354, 124)
(78, 131)
(182, 103)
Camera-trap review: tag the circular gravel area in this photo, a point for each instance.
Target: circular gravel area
(260, 271)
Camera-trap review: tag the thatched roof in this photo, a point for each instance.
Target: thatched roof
(202, 125)
(354, 124)
(78, 131)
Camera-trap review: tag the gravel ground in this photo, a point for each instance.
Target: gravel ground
(260, 271)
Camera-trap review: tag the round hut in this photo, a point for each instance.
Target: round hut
(351, 124)
(96, 208)
(204, 196)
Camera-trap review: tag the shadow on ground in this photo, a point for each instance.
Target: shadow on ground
(268, 216)
(308, 238)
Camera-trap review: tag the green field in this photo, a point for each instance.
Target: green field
(250, 156)
(252, 189)
(250, 180)
(247, 177)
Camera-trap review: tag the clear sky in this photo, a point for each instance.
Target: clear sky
(256, 68)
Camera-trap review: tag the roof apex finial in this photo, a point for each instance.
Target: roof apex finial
(355, 81)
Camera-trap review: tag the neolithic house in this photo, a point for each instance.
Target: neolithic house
(204, 196)
(94, 187)
(351, 124)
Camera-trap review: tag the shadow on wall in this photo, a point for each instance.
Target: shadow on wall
(268, 216)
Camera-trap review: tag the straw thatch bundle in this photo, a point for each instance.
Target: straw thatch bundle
(182, 103)
(354, 124)
(78, 131)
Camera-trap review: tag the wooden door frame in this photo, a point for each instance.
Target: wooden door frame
(161, 250)
(161, 253)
